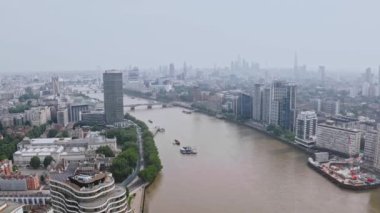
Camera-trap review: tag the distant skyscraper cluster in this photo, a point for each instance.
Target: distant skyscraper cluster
(243, 65)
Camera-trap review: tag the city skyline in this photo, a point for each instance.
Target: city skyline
(56, 34)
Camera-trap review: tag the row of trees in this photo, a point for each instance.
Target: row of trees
(123, 165)
(35, 162)
(8, 145)
(106, 151)
(279, 132)
(37, 131)
(52, 133)
(28, 95)
(152, 161)
(124, 136)
(94, 126)
(19, 108)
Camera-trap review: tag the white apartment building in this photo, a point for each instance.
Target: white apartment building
(38, 115)
(338, 139)
(306, 128)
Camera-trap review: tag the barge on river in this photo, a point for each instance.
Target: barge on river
(344, 176)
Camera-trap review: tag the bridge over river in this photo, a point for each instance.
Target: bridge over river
(148, 105)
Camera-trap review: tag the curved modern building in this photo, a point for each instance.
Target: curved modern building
(84, 189)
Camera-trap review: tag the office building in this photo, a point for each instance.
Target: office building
(133, 75)
(56, 86)
(316, 104)
(63, 116)
(331, 107)
(346, 141)
(113, 96)
(306, 128)
(75, 110)
(18, 182)
(171, 70)
(38, 115)
(371, 139)
(345, 122)
(83, 188)
(376, 163)
(244, 106)
(30, 197)
(322, 73)
(266, 106)
(283, 105)
(93, 117)
(368, 76)
(257, 102)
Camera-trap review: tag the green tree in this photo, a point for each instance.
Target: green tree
(120, 169)
(37, 131)
(271, 128)
(65, 134)
(52, 133)
(277, 131)
(3, 157)
(106, 151)
(290, 136)
(19, 108)
(48, 160)
(29, 90)
(149, 173)
(35, 162)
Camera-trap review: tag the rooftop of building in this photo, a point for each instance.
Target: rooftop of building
(339, 128)
(341, 118)
(42, 141)
(28, 193)
(307, 113)
(93, 112)
(113, 71)
(17, 176)
(90, 138)
(81, 177)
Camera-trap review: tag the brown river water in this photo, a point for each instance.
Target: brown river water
(237, 169)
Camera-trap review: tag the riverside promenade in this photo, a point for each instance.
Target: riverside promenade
(137, 204)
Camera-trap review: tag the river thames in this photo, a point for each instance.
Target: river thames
(237, 169)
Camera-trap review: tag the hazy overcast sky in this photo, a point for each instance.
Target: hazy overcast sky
(84, 34)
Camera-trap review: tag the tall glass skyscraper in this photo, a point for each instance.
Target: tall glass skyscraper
(113, 96)
(283, 105)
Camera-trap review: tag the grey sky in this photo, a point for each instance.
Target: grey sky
(84, 34)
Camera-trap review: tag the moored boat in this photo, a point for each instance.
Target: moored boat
(176, 142)
(186, 150)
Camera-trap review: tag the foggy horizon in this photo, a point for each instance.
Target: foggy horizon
(55, 36)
